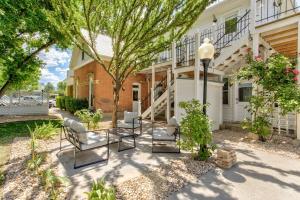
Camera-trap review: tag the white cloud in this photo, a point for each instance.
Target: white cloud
(60, 69)
(48, 76)
(56, 65)
(55, 57)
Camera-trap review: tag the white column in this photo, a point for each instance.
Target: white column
(174, 63)
(152, 94)
(255, 44)
(253, 16)
(197, 67)
(298, 66)
(168, 94)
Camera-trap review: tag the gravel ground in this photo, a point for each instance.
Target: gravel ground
(162, 181)
(278, 144)
(18, 178)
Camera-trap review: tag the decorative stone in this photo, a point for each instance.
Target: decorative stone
(296, 143)
(226, 158)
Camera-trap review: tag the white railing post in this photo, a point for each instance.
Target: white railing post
(197, 67)
(168, 94)
(153, 94)
(174, 63)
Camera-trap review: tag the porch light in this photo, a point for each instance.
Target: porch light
(206, 53)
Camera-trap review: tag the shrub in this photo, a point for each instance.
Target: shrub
(52, 182)
(101, 192)
(36, 160)
(72, 105)
(60, 102)
(89, 117)
(45, 131)
(196, 130)
(2, 178)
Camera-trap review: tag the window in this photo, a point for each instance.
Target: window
(231, 25)
(245, 92)
(82, 55)
(226, 91)
(135, 92)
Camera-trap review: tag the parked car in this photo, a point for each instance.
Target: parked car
(52, 103)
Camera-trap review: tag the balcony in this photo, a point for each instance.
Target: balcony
(272, 10)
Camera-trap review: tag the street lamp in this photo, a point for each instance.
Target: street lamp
(206, 52)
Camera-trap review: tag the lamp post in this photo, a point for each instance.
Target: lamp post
(206, 52)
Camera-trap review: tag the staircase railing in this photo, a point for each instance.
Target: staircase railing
(242, 27)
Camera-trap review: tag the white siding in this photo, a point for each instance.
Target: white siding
(185, 88)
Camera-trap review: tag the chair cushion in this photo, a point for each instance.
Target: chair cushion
(129, 116)
(94, 140)
(80, 130)
(171, 130)
(162, 134)
(67, 122)
(123, 124)
(173, 121)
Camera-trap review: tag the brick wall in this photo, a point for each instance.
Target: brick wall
(103, 95)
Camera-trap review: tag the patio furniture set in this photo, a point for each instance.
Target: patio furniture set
(86, 140)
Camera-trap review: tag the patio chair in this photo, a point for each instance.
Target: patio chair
(84, 140)
(163, 134)
(131, 121)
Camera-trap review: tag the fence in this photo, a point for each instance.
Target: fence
(24, 103)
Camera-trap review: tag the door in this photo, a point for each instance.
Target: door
(136, 97)
(91, 91)
(243, 97)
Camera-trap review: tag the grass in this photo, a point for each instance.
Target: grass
(10, 130)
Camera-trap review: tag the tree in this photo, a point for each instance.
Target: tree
(25, 31)
(49, 87)
(276, 84)
(61, 87)
(139, 30)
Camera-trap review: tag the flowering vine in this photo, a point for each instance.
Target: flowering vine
(275, 83)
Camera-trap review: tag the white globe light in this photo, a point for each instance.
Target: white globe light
(206, 50)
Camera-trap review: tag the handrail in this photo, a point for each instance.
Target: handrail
(233, 37)
(155, 88)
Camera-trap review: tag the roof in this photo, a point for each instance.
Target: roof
(103, 44)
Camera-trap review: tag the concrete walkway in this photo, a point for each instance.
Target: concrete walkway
(259, 175)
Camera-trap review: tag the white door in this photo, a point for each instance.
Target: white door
(91, 92)
(243, 97)
(136, 97)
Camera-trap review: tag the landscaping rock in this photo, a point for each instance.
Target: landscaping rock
(226, 158)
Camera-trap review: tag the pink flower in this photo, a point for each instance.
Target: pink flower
(296, 71)
(248, 49)
(287, 70)
(295, 78)
(258, 58)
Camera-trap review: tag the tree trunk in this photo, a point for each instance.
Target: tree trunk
(4, 88)
(116, 91)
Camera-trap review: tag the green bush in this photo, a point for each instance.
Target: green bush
(45, 131)
(101, 192)
(196, 130)
(51, 183)
(2, 178)
(72, 105)
(60, 102)
(89, 117)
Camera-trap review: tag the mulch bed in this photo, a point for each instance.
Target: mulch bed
(20, 183)
(162, 181)
(279, 143)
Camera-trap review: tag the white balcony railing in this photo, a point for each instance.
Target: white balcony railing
(271, 10)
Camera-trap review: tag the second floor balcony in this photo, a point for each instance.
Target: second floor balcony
(272, 10)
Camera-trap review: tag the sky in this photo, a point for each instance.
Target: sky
(56, 64)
